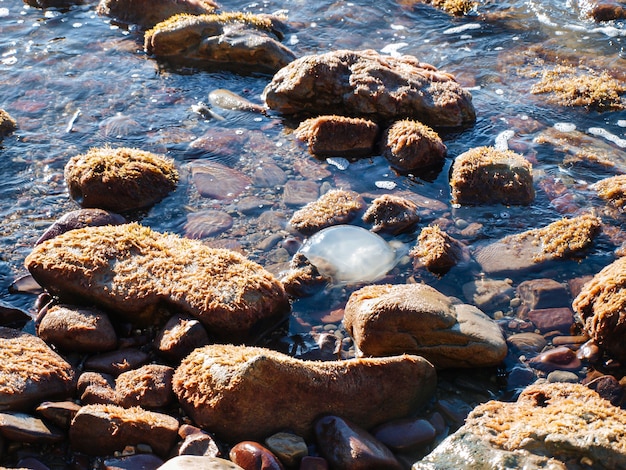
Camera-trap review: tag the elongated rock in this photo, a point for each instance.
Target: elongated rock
(247, 393)
(132, 270)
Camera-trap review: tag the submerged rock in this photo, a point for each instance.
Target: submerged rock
(417, 319)
(81, 218)
(147, 13)
(604, 10)
(391, 213)
(121, 179)
(530, 250)
(240, 42)
(332, 135)
(246, 393)
(133, 270)
(601, 305)
(485, 175)
(412, 146)
(349, 254)
(335, 207)
(370, 85)
(549, 426)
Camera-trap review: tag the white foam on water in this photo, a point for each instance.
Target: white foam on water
(462, 28)
(392, 49)
(608, 136)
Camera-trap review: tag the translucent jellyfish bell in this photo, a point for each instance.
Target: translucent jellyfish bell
(349, 254)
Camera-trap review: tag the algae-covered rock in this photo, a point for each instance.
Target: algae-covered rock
(147, 13)
(370, 85)
(121, 179)
(133, 271)
(391, 213)
(412, 146)
(438, 251)
(7, 123)
(417, 319)
(613, 191)
(247, 393)
(550, 426)
(240, 42)
(486, 175)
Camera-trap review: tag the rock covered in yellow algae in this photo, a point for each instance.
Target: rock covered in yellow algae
(411, 146)
(132, 270)
(437, 250)
(335, 207)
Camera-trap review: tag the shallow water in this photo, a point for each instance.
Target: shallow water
(74, 80)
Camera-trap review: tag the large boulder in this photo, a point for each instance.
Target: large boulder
(601, 305)
(417, 319)
(367, 84)
(30, 371)
(247, 393)
(147, 13)
(121, 179)
(552, 425)
(133, 270)
(486, 175)
(532, 249)
(240, 42)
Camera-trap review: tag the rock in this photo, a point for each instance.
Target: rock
(600, 305)
(180, 336)
(117, 362)
(530, 250)
(185, 462)
(527, 343)
(227, 99)
(417, 319)
(31, 372)
(299, 192)
(391, 213)
(197, 442)
(96, 388)
(246, 393)
(303, 279)
(288, 447)
(489, 295)
(133, 426)
(486, 175)
(412, 146)
(121, 179)
(241, 42)
(552, 319)
(133, 270)
(7, 123)
(403, 435)
(216, 181)
(549, 426)
(341, 441)
(268, 174)
(13, 317)
(559, 358)
(133, 462)
(438, 251)
(332, 135)
(251, 455)
(23, 427)
(59, 413)
(604, 10)
(613, 191)
(81, 218)
(149, 386)
(313, 463)
(369, 85)
(72, 328)
(562, 376)
(147, 13)
(542, 293)
(335, 207)
(207, 223)
(608, 388)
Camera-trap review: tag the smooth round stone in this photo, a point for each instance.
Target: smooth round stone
(349, 254)
(288, 447)
(562, 376)
(339, 441)
(405, 434)
(207, 223)
(23, 427)
(131, 462)
(313, 463)
(589, 351)
(561, 358)
(527, 343)
(197, 462)
(608, 388)
(251, 455)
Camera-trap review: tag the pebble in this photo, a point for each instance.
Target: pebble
(589, 352)
(559, 358)
(543, 293)
(197, 462)
(608, 388)
(551, 319)
(60, 413)
(132, 462)
(405, 434)
(207, 223)
(268, 175)
(562, 376)
(313, 463)
(180, 336)
(289, 448)
(216, 181)
(116, 362)
(23, 427)
(251, 455)
(299, 192)
(527, 343)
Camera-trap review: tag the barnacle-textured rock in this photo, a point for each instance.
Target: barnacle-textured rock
(437, 250)
(243, 393)
(601, 305)
(613, 190)
(332, 135)
(485, 175)
(133, 270)
(147, 13)
(551, 425)
(453, 7)
(417, 319)
(121, 179)
(410, 145)
(335, 207)
(241, 42)
(391, 213)
(7, 123)
(367, 84)
(31, 372)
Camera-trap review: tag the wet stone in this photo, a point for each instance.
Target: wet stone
(489, 294)
(81, 329)
(391, 213)
(199, 443)
(608, 388)
(23, 427)
(81, 218)
(313, 463)
(299, 193)
(216, 181)
(560, 358)
(196, 462)
(405, 434)
(133, 462)
(288, 447)
(527, 343)
(12, 317)
(116, 362)
(32, 463)
(180, 336)
(251, 455)
(268, 175)
(552, 319)
(59, 413)
(538, 294)
(562, 376)
(207, 223)
(96, 388)
(340, 440)
(149, 386)
(412, 146)
(335, 207)
(589, 352)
